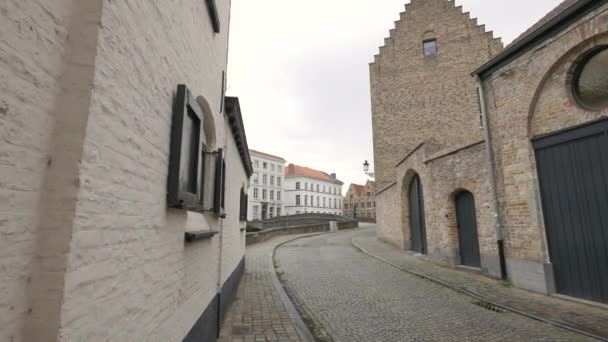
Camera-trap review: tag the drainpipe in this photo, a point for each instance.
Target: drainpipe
(492, 167)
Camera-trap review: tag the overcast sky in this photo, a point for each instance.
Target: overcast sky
(300, 69)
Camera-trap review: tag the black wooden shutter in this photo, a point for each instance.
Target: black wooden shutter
(223, 183)
(218, 186)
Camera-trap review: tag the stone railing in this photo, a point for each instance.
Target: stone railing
(296, 220)
(261, 236)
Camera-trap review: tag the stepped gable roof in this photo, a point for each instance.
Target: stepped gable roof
(266, 155)
(567, 12)
(300, 171)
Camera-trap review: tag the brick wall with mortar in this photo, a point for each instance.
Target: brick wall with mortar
(110, 259)
(430, 100)
(528, 97)
(417, 98)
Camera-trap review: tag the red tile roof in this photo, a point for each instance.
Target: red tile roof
(300, 171)
(359, 189)
(262, 154)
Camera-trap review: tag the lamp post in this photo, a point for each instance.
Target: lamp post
(366, 170)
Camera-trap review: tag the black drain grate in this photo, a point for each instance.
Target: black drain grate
(488, 306)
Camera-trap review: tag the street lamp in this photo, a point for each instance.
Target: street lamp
(366, 169)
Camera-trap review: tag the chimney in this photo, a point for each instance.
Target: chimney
(291, 169)
(333, 176)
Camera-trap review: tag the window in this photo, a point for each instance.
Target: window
(323, 188)
(429, 47)
(263, 194)
(591, 80)
(369, 194)
(318, 201)
(317, 187)
(297, 199)
(279, 181)
(297, 185)
(265, 165)
(271, 180)
(306, 200)
(213, 15)
(369, 204)
(255, 178)
(323, 202)
(279, 168)
(374, 204)
(256, 212)
(335, 203)
(278, 211)
(183, 187)
(255, 193)
(243, 209)
(272, 167)
(271, 211)
(256, 163)
(264, 179)
(278, 195)
(272, 195)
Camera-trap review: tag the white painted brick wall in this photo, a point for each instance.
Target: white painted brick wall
(32, 41)
(129, 275)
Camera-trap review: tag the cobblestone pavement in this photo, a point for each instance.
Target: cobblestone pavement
(580, 316)
(349, 296)
(258, 313)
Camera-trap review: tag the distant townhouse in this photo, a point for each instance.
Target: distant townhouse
(312, 191)
(360, 201)
(266, 193)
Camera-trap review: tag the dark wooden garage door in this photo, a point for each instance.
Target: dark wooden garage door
(418, 229)
(573, 176)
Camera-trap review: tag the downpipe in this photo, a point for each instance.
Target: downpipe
(492, 166)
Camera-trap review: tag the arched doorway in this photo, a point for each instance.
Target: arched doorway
(466, 218)
(417, 223)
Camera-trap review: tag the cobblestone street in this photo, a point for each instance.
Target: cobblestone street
(346, 295)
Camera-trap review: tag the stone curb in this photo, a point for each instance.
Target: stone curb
(480, 296)
(301, 327)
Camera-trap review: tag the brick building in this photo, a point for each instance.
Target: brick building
(496, 158)
(360, 201)
(122, 171)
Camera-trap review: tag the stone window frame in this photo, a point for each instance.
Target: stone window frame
(430, 40)
(575, 71)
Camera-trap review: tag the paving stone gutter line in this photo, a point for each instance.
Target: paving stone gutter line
(480, 297)
(301, 327)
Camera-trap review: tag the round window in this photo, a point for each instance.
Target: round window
(591, 81)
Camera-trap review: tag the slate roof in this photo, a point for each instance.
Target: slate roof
(266, 155)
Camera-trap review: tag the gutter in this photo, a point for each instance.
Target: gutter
(492, 168)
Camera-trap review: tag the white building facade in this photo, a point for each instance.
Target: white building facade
(312, 191)
(266, 194)
(124, 171)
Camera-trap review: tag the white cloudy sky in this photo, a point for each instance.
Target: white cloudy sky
(300, 69)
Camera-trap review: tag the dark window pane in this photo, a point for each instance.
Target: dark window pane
(430, 47)
(190, 143)
(592, 82)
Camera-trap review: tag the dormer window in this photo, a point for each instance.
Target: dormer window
(429, 47)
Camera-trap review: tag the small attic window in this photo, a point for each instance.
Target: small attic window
(429, 47)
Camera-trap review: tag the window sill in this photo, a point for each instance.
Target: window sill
(195, 236)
